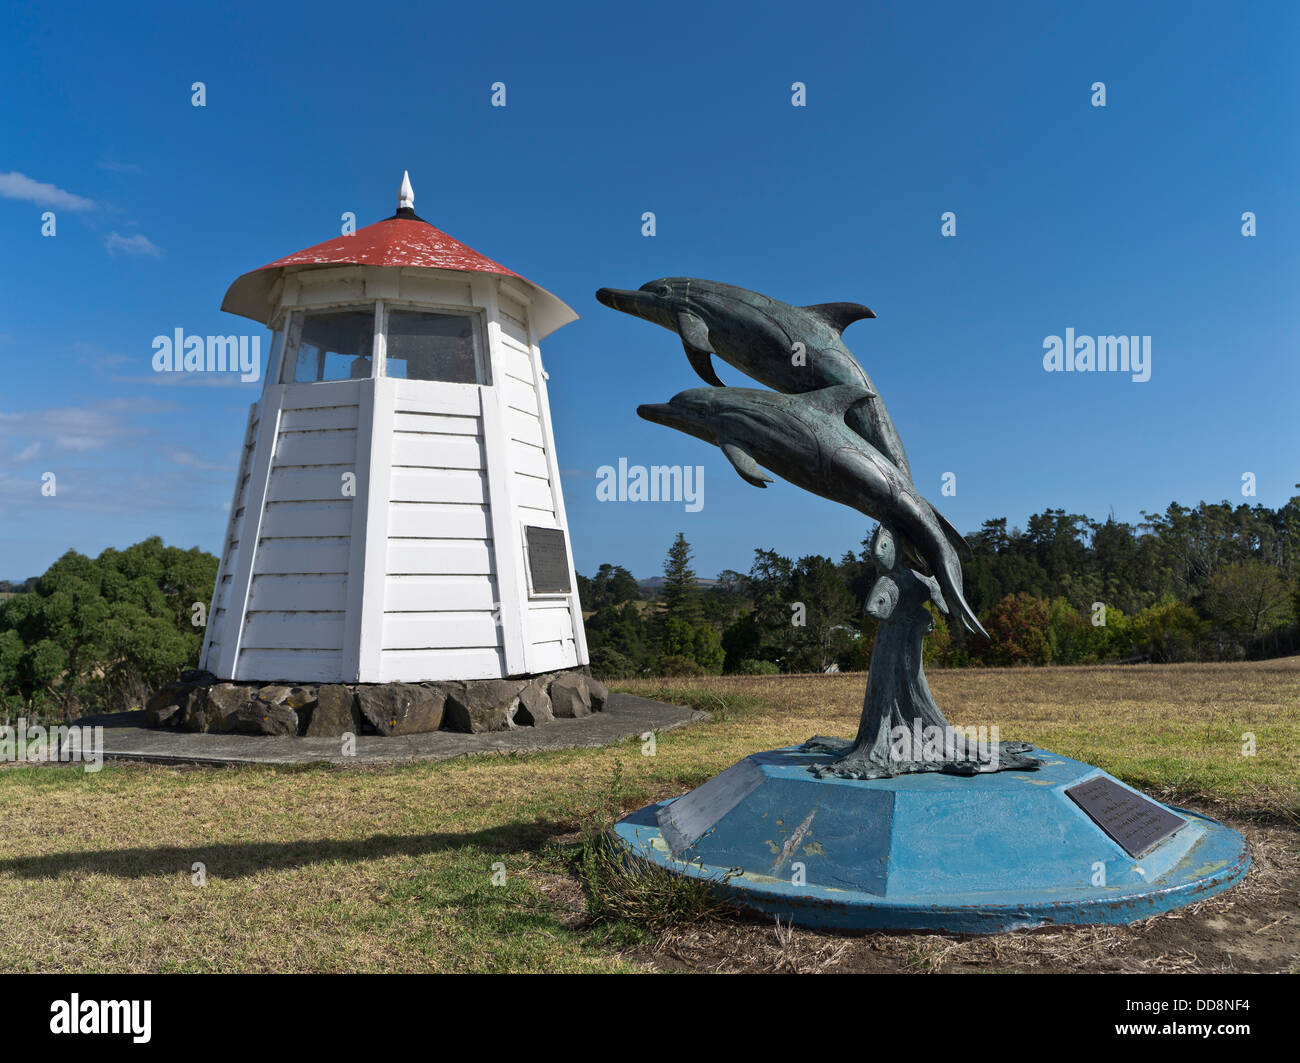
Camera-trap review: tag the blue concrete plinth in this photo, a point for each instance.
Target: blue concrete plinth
(977, 854)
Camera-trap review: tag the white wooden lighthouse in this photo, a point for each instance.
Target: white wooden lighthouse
(397, 515)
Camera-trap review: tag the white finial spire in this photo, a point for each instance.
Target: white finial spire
(406, 197)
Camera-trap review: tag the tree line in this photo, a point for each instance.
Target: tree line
(1210, 582)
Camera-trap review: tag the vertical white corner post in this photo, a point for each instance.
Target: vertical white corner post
(506, 558)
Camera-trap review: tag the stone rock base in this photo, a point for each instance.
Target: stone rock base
(200, 701)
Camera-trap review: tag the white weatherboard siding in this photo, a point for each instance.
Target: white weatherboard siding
(218, 612)
(420, 574)
(439, 572)
(295, 586)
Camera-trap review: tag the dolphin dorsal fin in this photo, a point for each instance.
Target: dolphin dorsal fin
(840, 316)
(838, 399)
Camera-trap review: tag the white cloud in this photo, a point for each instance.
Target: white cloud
(98, 490)
(87, 447)
(139, 244)
(78, 443)
(15, 185)
(28, 453)
(141, 405)
(78, 429)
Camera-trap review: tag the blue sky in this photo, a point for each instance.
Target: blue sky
(1117, 220)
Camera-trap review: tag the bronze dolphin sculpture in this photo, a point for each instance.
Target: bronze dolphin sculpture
(793, 349)
(757, 334)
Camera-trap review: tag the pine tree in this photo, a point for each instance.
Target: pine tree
(681, 594)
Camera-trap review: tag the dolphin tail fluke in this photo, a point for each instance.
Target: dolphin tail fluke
(967, 614)
(951, 582)
(954, 536)
(944, 566)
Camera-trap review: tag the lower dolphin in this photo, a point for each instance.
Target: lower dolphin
(804, 439)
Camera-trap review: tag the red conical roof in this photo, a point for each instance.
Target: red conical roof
(404, 240)
(395, 241)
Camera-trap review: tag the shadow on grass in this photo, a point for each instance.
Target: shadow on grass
(237, 860)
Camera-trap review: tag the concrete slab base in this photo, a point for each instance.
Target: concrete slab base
(127, 738)
(977, 854)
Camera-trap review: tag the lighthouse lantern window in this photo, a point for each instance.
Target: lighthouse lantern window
(434, 346)
(329, 345)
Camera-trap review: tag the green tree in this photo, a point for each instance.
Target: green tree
(11, 655)
(1113, 639)
(741, 641)
(707, 649)
(107, 631)
(611, 585)
(823, 622)
(937, 649)
(1070, 635)
(1248, 598)
(681, 592)
(771, 581)
(727, 599)
(621, 638)
(754, 667)
(678, 638)
(610, 664)
(1168, 631)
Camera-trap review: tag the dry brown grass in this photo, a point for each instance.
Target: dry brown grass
(391, 870)
(1176, 730)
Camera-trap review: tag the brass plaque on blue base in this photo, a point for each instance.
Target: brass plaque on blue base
(1136, 823)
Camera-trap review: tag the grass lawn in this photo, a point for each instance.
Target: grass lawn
(328, 869)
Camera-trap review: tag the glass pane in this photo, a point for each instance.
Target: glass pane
(432, 347)
(335, 345)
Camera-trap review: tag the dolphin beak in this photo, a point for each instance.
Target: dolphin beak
(636, 303)
(682, 418)
(658, 412)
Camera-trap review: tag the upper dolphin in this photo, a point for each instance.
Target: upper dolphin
(761, 337)
(804, 439)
